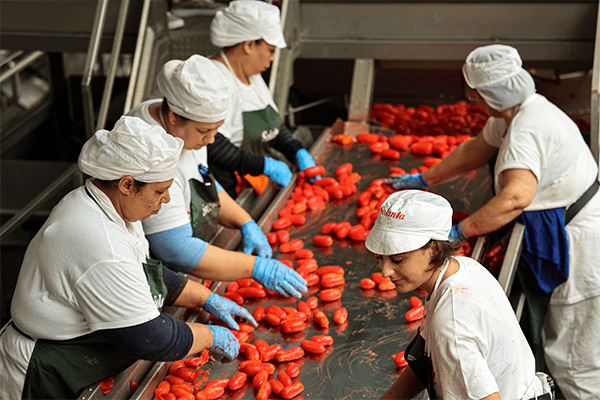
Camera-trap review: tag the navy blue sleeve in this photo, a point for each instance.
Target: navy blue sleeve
(160, 339)
(225, 155)
(175, 283)
(286, 143)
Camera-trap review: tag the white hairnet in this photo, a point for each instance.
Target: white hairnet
(132, 148)
(245, 20)
(495, 72)
(195, 89)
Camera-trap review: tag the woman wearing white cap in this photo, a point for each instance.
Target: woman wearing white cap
(470, 345)
(543, 167)
(88, 298)
(248, 32)
(195, 104)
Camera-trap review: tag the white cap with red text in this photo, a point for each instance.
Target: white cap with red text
(408, 220)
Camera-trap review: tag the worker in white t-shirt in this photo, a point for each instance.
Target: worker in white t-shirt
(88, 298)
(546, 176)
(248, 33)
(196, 101)
(471, 345)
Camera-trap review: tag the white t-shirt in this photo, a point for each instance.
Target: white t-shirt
(544, 140)
(474, 340)
(82, 272)
(175, 213)
(253, 97)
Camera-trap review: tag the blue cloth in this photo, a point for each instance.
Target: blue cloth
(457, 234)
(545, 247)
(178, 248)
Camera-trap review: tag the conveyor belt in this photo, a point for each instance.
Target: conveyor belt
(360, 363)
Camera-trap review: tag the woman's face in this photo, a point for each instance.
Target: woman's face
(411, 270)
(139, 204)
(195, 135)
(259, 57)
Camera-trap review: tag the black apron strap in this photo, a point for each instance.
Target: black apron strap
(581, 202)
(420, 363)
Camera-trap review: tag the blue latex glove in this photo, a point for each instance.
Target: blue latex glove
(253, 239)
(278, 277)
(224, 342)
(415, 181)
(278, 172)
(457, 234)
(223, 309)
(304, 160)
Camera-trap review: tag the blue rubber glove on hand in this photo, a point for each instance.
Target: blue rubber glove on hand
(278, 277)
(223, 309)
(253, 239)
(457, 234)
(304, 160)
(224, 342)
(278, 172)
(415, 181)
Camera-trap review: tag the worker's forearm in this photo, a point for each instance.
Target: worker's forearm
(406, 386)
(203, 338)
(232, 215)
(463, 159)
(193, 295)
(499, 211)
(223, 265)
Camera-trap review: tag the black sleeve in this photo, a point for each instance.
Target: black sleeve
(160, 339)
(286, 143)
(175, 283)
(223, 154)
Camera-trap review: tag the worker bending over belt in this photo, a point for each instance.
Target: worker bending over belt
(196, 100)
(470, 345)
(88, 299)
(543, 166)
(248, 32)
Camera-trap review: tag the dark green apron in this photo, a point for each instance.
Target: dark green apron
(205, 206)
(62, 369)
(260, 127)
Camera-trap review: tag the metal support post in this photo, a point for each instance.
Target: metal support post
(362, 90)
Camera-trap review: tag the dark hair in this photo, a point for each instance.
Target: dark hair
(114, 183)
(164, 108)
(442, 250)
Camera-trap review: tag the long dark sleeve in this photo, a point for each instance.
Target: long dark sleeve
(226, 156)
(286, 143)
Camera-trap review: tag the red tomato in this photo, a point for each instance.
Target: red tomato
(264, 391)
(252, 292)
(312, 302)
(415, 302)
(259, 313)
(345, 168)
(298, 219)
(399, 360)
(107, 384)
(415, 314)
(367, 138)
(283, 236)
(322, 241)
(340, 315)
(312, 172)
(292, 246)
(325, 182)
(320, 318)
(331, 280)
(366, 283)
(331, 269)
(386, 284)
(282, 223)
(210, 393)
(291, 354)
(292, 370)
(304, 253)
(378, 147)
(421, 148)
(328, 228)
(330, 294)
(235, 297)
(292, 391)
(163, 388)
(312, 347)
(174, 380)
(325, 340)
(284, 378)
(237, 381)
(276, 386)
(390, 153)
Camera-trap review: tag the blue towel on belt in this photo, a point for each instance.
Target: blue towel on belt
(546, 249)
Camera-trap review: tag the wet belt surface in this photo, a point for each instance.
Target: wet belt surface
(360, 363)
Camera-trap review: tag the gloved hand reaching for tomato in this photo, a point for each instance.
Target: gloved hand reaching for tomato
(223, 309)
(415, 181)
(224, 342)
